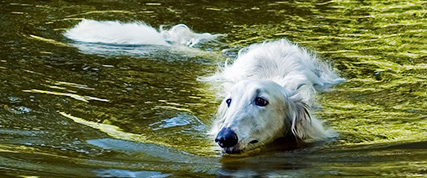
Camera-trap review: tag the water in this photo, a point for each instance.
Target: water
(67, 112)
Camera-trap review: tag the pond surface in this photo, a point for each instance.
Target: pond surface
(67, 112)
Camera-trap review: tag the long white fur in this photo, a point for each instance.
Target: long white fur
(269, 67)
(283, 62)
(136, 33)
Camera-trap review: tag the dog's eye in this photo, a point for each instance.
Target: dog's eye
(261, 101)
(228, 101)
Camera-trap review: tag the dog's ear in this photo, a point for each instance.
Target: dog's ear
(300, 119)
(304, 126)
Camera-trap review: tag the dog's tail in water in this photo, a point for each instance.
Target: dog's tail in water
(137, 33)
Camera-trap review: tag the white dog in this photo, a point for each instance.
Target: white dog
(135, 33)
(270, 89)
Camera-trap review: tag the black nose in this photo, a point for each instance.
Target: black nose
(226, 138)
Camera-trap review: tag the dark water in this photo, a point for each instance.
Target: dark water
(71, 113)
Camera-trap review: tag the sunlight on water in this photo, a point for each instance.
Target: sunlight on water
(118, 133)
(74, 96)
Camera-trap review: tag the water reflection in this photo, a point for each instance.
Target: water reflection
(127, 173)
(169, 53)
(150, 151)
(284, 154)
(181, 120)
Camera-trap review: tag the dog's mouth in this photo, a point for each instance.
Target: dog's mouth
(236, 149)
(231, 150)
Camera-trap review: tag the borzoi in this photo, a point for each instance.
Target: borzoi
(270, 89)
(135, 33)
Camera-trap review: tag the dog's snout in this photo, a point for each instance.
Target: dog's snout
(226, 138)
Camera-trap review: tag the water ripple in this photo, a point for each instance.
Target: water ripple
(74, 96)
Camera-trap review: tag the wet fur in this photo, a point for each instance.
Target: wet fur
(289, 77)
(135, 33)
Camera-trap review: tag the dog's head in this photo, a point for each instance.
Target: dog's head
(257, 112)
